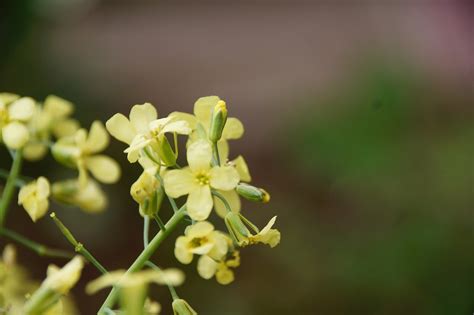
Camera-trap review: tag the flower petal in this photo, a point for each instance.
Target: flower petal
(181, 127)
(268, 226)
(120, 128)
(206, 267)
(22, 109)
(104, 168)
(234, 129)
(181, 251)
(98, 138)
(191, 119)
(224, 177)
(199, 155)
(223, 147)
(224, 275)
(179, 182)
(199, 203)
(242, 169)
(141, 116)
(15, 135)
(203, 108)
(57, 107)
(200, 229)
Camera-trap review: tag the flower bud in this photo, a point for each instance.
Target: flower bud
(166, 153)
(181, 307)
(90, 197)
(252, 193)
(218, 120)
(237, 228)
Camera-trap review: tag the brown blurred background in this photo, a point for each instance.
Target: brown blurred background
(359, 120)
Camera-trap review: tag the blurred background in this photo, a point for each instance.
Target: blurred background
(359, 121)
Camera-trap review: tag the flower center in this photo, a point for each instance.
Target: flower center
(198, 241)
(202, 178)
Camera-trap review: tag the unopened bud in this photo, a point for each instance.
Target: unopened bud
(166, 153)
(237, 228)
(181, 307)
(252, 193)
(218, 120)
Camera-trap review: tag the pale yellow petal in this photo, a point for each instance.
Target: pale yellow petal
(199, 203)
(42, 187)
(269, 225)
(206, 267)
(242, 169)
(203, 249)
(109, 279)
(34, 151)
(224, 275)
(200, 229)
(98, 138)
(220, 245)
(15, 135)
(234, 129)
(120, 128)
(181, 251)
(141, 116)
(65, 128)
(233, 200)
(204, 106)
(22, 109)
(199, 155)
(104, 168)
(58, 107)
(224, 177)
(191, 119)
(223, 147)
(179, 182)
(181, 127)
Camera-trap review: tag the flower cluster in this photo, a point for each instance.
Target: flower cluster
(209, 180)
(32, 128)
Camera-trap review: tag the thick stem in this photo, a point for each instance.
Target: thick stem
(145, 255)
(40, 249)
(10, 186)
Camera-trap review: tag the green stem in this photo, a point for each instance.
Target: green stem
(10, 186)
(159, 222)
(20, 181)
(171, 200)
(222, 198)
(146, 254)
(216, 150)
(146, 230)
(174, 295)
(40, 249)
(78, 247)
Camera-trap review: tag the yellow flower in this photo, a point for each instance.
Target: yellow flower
(200, 239)
(89, 197)
(14, 114)
(181, 307)
(198, 179)
(144, 129)
(208, 267)
(80, 151)
(243, 237)
(172, 276)
(61, 280)
(34, 198)
(134, 287)
(50, 118)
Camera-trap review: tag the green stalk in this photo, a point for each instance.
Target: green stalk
(145, 255)
(10, 186)
(78, 247)
(40, 249)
